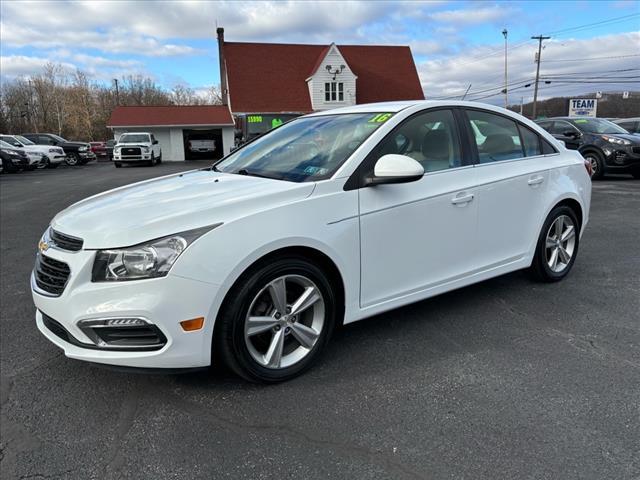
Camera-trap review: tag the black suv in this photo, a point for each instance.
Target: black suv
(609, 148)
(78, 153)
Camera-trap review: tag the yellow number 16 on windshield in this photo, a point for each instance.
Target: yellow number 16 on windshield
(381, 117)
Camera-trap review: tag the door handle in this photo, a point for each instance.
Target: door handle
(536, 180)
(462, 198)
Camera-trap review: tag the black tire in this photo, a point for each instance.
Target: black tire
(46, 163)
(540, 269)
(597, 164)
(229, 344)
(160, 158)
(118, 164)
(72, 159)
(9, 167)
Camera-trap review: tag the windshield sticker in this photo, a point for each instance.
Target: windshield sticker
(315, 171)
(580, 120)
(380, 118)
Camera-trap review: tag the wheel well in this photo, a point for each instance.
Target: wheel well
(591, 149)
(573, 205)
(320, 259)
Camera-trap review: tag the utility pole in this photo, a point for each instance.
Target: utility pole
(540, 38)
(117, 92)
(506, 95)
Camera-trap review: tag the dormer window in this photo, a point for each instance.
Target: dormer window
(334, 92)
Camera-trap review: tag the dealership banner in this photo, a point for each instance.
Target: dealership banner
(583, 107)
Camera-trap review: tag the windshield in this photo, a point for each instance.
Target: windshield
(306, 149)
(134, 138)
(58, 138)
(11, 140)
(25, 141)
(4, 144)
(597, 125)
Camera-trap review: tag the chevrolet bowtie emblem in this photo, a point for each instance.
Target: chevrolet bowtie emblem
(43, 246)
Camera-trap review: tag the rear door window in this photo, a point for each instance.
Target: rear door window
(531, 142)
(497, 138)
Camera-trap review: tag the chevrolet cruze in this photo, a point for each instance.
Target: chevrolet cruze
(325, 220)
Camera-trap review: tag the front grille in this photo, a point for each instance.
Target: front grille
(51, 275)
(636, 149)
(130, 151)
(66, 242)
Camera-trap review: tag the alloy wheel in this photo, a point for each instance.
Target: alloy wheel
(594, 165)
(284, 321)
(560, 243)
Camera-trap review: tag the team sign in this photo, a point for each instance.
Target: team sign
(583, 107)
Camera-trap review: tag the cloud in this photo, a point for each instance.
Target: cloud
(472, 16)
(20, 65)
(483, 68)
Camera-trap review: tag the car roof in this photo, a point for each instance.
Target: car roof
(622, 120)
(394, 107)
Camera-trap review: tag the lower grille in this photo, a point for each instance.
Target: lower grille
(51, 275)
(636, 149)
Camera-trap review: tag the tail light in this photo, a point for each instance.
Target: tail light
(587, 165)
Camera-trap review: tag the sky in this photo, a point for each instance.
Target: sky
(454, 43)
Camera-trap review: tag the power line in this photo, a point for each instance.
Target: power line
(591, 58)
(622, 18)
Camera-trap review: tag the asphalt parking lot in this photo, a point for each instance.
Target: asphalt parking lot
(504, 379)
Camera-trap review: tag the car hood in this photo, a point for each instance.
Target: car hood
(155, 208)
(74, 145)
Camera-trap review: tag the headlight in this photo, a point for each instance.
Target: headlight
(12, 153)
(149, 260)
(83, 149)
(617, 141)
(53, 150)
(146, 149)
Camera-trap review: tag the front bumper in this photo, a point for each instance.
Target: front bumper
(145, 157)
(162, 302)
(57, 158)
(621, 159)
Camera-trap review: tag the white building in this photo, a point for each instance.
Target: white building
(175, 126)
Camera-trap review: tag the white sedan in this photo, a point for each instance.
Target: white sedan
(329, 219)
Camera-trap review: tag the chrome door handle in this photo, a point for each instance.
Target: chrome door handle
(536, 180)
(462, 199)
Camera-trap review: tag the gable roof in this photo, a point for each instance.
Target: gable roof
(144, 116)
(270, 77)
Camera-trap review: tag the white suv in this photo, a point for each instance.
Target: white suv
(40, 156)
(137, 147)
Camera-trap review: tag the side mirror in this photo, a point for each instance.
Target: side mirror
(155, 142)
(571, 134)
(394, 168)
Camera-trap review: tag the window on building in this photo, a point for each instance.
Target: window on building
(333, 91)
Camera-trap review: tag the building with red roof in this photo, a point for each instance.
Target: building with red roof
(184, 132)
(266, 83)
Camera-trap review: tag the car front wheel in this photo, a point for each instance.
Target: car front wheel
(597, 164)
(557, 245)
(276, 320)
(72, 159)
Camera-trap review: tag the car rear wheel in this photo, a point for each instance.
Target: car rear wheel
(597, 164)
(118, 164)
(276, 321)
(557, 245)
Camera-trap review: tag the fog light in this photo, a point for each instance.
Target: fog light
(193, 324)
(124, 322)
